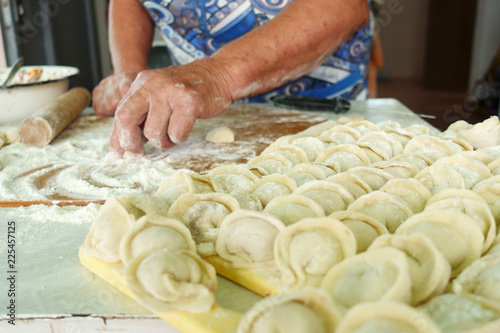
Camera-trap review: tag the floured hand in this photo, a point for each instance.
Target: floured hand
(163, 104)
(108, 94)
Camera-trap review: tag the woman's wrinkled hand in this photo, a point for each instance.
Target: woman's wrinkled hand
(162, 105)
(110, 91)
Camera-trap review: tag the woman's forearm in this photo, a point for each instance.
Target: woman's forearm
(131, 33)
(292, 44)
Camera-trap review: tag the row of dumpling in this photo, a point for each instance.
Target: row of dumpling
(459, 224)
(374, 192)
(162, 268)
(311, 252)
(378, 290)
(311, 310)
(338, 156)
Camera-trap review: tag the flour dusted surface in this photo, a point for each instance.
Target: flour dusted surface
(76, 164)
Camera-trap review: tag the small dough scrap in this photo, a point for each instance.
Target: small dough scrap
(221, 134)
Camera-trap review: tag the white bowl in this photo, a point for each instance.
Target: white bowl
(18, 101)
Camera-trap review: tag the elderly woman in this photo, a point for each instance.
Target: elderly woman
(226, 51)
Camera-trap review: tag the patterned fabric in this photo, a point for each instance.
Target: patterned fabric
(193, 29)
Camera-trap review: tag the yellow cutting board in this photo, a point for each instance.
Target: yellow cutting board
(217, 320)
(262, 284)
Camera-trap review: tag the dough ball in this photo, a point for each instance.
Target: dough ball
(221, 134)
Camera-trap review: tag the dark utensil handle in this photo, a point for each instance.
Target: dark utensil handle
(307, 103)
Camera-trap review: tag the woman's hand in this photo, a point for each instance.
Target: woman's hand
(110, 91)
(162, 105)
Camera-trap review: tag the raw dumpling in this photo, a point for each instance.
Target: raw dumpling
(397, 169)
(343, 157)
(172, 280)
(330, 196)
(232, 178)
(176, 184)
(363, 126)
(472, 171)
(386, 317)
(352, 183)
(378, 275)
(494, 167)
(438, 177)
(302, 311)
(385, 208)
(455, 234)
(484, 134)
(402, 135)
(418, 129)
(375, 178)
(295, 154)
(489, 189)
(481, 281)
(312, 146)
(114, 219)
(429, 270)
(343, 134)
(317, 129)
(246, 239)
(476, 209)
(269, 187)
(430, 146)
(454, 313)
(203, 214)
(420, 161)
(247, 201)
(272, 163)
(292, 208)
(181, 182)
(410, 190)
(307, 250)
(459, 125)
(155, 232)
(374, 153)
(306, 172)
(385, 142)
(364, 228)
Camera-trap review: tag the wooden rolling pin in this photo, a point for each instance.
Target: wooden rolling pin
(45, 124)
